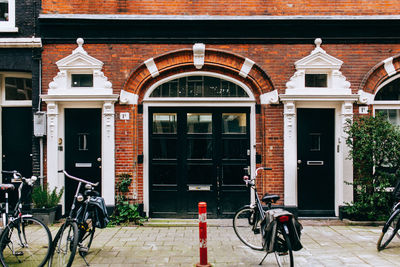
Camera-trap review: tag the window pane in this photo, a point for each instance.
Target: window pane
(198, 86)
(199, 123)
(199, 174)
(82, 80)
(390, 91)
(164, 174)
(233, 123)
(18, 88)
(199, 148)
(164, 123)
(392, 115)
(4, 10)
(316, 80)
(164, 148)
(233, 174)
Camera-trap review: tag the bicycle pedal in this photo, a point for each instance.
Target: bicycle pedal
(19, 253)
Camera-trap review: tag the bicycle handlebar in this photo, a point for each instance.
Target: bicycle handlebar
(18, 177)
(248, 181)
(78, 179)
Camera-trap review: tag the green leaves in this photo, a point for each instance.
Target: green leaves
(375, 149)
(44, 198)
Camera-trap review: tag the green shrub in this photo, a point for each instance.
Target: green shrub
(45, 198)
(375, 149)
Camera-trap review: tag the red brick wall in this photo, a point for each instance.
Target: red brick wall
(123, 65)
(226, 7)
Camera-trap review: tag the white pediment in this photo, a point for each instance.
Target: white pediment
(318, 58)
(79, 62)
(318, 62)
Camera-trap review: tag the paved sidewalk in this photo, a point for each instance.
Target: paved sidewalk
(324, 245)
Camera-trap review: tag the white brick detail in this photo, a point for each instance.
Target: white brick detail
(388, 64)
(198, 55)
(152, 67)
(246, 67)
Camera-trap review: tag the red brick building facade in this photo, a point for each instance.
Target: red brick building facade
(291, 82)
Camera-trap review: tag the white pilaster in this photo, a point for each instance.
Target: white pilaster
(52, 146)
(290, 154)
(108, 153)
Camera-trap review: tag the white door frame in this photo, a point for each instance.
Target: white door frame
(193, 102)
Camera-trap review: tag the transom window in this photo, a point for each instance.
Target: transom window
(16, 88)
(4, 10)
(199, 86)
(316, 80)
(387, 101)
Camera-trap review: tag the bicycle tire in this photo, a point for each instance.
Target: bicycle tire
(26, 241)
(86, 234)
(246, 224)
(64, 245)
(387, 236)
(283, 248)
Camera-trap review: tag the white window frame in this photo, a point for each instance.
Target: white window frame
(9, 26)
(13, 103)
(386, 104)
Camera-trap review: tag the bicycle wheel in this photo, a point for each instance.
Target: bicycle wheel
(387, 236)
(86, 234)
(246, 224)
(283, 247)
(25, 242)
(64, 245)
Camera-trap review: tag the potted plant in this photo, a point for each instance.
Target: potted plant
(45, 202)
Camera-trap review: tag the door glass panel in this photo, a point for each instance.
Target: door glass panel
(199, 148)
(199, 123)
(164, 174)
(315, 142)
(164, 148)
(199, 174)
(83, 141)
(235, 148)
(234, 123)
(164, 123)
(233, 174)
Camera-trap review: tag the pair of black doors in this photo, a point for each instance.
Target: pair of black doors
(197, 154)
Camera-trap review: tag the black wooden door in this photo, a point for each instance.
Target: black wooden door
(82, 148)
(17, 139)
(315, 154)
(197, 154)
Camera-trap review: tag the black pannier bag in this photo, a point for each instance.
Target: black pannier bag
(97, 212)
(270, 224)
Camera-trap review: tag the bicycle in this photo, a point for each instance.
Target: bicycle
(391, 227)
(79, 227)
(24, 240)
(258, 232)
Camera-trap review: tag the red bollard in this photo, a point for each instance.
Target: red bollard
(203, 235)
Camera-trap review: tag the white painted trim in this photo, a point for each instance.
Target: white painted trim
(152, 67)
(343, 166)
(158, 102)
(20, 42)
(9, 26)
(270, 98)
(128, 98)
(55, 132)
(198, 73)
(388, 65)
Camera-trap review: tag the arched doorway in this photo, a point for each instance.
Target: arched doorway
(199, 131)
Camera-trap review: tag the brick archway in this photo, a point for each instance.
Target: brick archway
(181, 61)
(379, 74)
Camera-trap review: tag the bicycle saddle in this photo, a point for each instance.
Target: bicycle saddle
(6, 187)
(267, 198)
